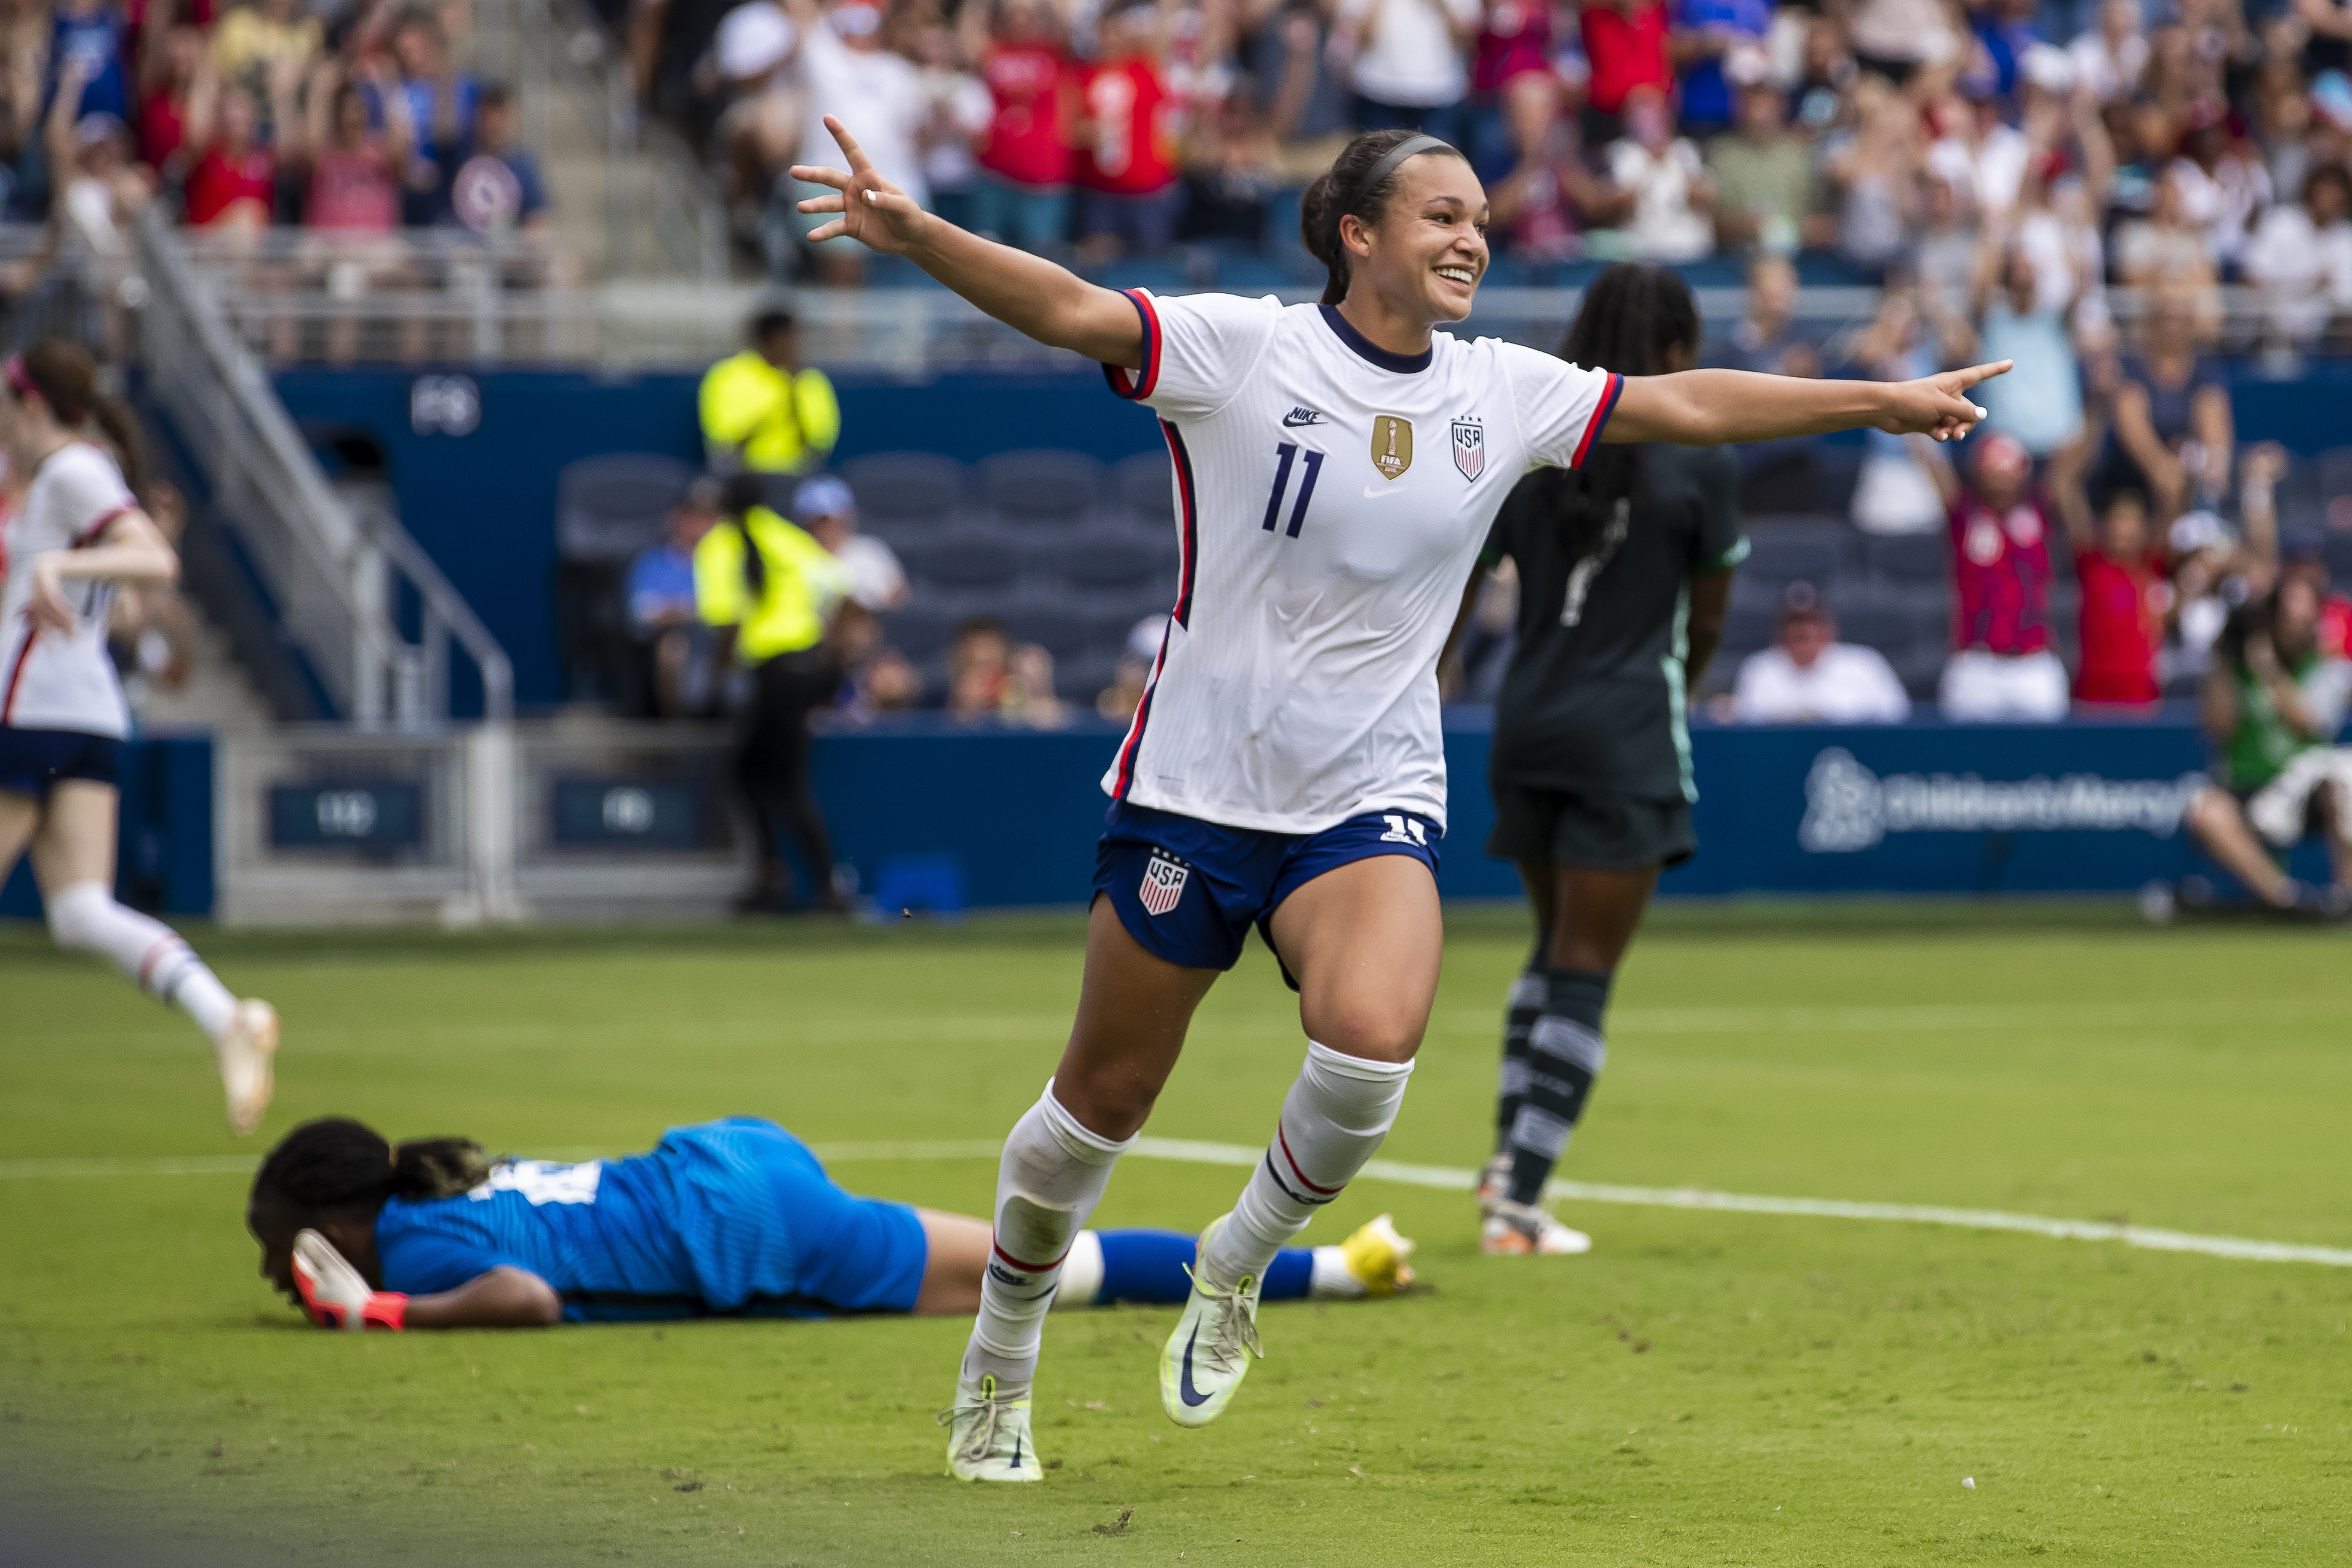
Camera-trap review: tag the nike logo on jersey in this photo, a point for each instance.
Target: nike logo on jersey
(1373, 493)
(1184, 1389)
(1300, 417)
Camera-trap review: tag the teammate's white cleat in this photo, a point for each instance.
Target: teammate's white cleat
(243, 1052)
(1210, 1352)
(1376, 1256)
(1520, 1230)
(987, 1433)
(1494, 1182)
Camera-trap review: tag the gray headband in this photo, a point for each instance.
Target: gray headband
(1411, 147)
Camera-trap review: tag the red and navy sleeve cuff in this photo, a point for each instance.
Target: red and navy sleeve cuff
(1599, 420)
(89, 535)
(1137, 385)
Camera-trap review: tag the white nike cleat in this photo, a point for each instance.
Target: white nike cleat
(1494, 1182)
(1376, 1256)
(1210, 1352)
(243, 1053)
(1521, 1229)
(987, 1433)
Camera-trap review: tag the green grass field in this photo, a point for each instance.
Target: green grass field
(1706, 1387)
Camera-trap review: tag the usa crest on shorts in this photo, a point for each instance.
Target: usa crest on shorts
(1470, 447)
(1163, 882)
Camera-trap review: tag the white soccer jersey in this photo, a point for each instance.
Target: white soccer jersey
(1332, 498)
(48, 681)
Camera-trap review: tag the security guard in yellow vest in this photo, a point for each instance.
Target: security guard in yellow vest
(772, 590)
(761, 413)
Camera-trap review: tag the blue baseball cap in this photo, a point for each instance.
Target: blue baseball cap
(823, 496)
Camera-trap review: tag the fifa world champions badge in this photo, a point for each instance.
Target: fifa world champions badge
(1470, 447)
(1163, 883)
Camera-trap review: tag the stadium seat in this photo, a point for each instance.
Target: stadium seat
(920, 631)
(1788, 550)
(963, 558)
(2339, 546)
(2334, 469)
(1921, 670)
(1109, 559)
(608, 508)
(1747, 628)
(1110, 625)
(1145, 487)
(1080, 679)
(1042, 487)
(1907, 561)
(1057, 623)
(905, 488)
(1875, 621)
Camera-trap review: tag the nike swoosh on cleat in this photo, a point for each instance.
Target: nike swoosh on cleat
(1016, 1453)
(1184, 1389)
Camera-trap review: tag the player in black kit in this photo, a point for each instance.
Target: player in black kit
(1624, 571)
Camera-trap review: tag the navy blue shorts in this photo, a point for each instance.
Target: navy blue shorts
(1188, 890)
(32, 761)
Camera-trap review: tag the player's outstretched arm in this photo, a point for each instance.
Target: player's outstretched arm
(1027, 293)
(1710, 408)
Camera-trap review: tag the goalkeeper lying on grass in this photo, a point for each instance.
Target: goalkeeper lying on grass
(733, 1217)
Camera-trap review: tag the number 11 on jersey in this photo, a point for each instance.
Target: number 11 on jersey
(1285, 455)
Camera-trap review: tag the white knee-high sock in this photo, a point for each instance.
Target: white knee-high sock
(84, 918)
(1333, 1119)
(1052, 1174)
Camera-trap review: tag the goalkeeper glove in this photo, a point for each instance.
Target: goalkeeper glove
(334, 1294)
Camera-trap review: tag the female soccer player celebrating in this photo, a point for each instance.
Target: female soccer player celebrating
(1624, 569)
(1336, 469)
(76, 535)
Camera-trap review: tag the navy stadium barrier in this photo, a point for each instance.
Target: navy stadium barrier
(949, 814)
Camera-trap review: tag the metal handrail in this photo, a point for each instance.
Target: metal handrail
(334, 573)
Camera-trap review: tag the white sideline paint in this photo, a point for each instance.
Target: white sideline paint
(1443, 1178)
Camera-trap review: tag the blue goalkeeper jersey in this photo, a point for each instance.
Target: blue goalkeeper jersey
(734, 1216)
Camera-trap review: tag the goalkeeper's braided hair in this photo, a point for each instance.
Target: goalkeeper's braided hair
(335, 1163)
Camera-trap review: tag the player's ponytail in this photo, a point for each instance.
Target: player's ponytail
(65, 377)
(337, 1164)
(1634, 317)
(1359, 182)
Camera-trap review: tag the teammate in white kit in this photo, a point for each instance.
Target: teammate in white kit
(1337, 467)
(75, 535)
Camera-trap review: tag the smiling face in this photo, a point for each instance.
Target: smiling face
(1425, 251)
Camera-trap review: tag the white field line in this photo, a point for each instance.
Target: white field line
(1443, 1178)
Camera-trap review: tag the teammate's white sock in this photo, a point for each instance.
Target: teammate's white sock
(84, 918)
(1332, 1121)
(1052, 1174)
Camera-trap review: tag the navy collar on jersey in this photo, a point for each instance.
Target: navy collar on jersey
(1403, 364)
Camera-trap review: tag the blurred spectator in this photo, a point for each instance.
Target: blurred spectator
(1765, 193)
(1892, 39)
(2040, 401)
(826, 509)
(980, 659)
(2003, 668)
(2208, 584)
(762, 411)
(1627, 50)
(1944, 241)
(847, 72)
(2168, 248)
(2221, 186)
(2172, 434)
(2108, 61)
(2274, 707)
(1287, 52)
(1029, 696)
(1872, 167)
(1513, 82)
(494, 185)
(99, 186)
(90, 45)
(884, 683)
(442, 101)
(1892, 494)
(1408, 59)
(235, 180)
(663, 618)
(1808, 676)
(758, 115)
(1023, 196)
(262, 42)
(1126, 169)
(2300, 258)
(1718, 43)
(1659, 175)
(1229, 176)
(355, 174)
(1539, 209)
(962, 113)
(174, 76)
(1133, 674)
(2125, 601)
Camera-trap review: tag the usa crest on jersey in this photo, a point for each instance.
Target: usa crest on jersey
(1470, 447)
(1163, 882)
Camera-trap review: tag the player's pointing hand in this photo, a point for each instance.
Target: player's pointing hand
(1937, 405)
(874, 212)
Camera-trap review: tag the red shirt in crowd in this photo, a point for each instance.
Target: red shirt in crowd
(1514, 40)
(1132, 150)
(1028, 142)
(2336, 627)
(352, 191)
(1626, 49)
(219, 181)
(2123, 627)
(2001, 577)
(163, 126)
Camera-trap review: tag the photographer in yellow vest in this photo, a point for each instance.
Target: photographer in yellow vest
(764, 414)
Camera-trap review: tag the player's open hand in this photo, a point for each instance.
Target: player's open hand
(873, 210)
(1937, 405)
(49, 608)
